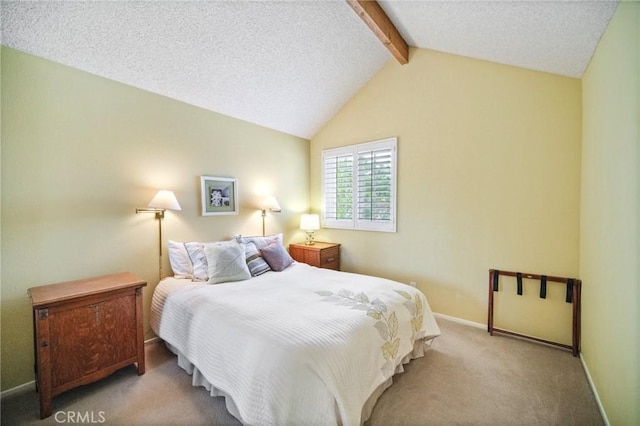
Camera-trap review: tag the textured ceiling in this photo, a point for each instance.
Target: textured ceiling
(553, 36)
(290, 65)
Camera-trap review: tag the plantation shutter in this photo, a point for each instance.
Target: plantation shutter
(375, 185)
(338, 186)
(359, 186)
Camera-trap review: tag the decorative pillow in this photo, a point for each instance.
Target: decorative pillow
(200, 268)
(226, 262)
(260, 242)
(255, 262)
(179, 259)
(276, 256)
(198, 260)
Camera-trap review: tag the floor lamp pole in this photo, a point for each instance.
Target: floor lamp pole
(159, 216)
(162, 201)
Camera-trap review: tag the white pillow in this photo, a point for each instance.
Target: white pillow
(226, 262)
(199, 258)
(260, 242)
(179, 259)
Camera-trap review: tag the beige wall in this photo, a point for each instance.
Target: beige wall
(490, 166)
(488, 177)
(610, 217)
(80, 153)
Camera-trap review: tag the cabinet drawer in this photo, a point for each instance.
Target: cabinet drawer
(91, 337)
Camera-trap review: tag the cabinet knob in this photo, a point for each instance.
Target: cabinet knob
(44, 344)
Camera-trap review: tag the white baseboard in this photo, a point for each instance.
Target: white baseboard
(152, 340)
(25, 387)
(460, 320)
(595, 391)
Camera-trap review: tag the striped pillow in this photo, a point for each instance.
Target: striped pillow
(255, 262)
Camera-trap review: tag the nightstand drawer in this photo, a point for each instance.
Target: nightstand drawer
(330, 258)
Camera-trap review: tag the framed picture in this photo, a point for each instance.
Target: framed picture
(219, 195)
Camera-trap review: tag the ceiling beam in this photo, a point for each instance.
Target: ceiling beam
(377, 20)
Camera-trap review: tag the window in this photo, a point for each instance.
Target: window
(359, 186)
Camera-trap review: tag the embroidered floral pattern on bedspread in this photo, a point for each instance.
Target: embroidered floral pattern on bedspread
(386, 322)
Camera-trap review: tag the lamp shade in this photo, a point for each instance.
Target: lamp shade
(271, 204)
(310, 222)
(164, 200)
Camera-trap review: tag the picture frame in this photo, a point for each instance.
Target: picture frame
(219, 195)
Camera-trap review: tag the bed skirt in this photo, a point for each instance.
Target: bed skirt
(199, 380)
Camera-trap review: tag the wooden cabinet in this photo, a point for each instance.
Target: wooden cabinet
(322, 255)
(85, 330)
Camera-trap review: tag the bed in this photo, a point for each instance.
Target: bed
(302, 345)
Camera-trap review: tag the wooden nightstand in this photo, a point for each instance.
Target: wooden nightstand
(322, 255)
(85, 330)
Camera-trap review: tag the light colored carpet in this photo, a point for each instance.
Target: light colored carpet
(466, 377)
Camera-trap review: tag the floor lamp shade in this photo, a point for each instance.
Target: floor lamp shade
(164, 200)
(271, 204)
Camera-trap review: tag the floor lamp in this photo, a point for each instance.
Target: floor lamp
(164, 200)
(269, 204)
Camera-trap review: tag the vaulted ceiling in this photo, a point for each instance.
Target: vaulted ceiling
(291, 65)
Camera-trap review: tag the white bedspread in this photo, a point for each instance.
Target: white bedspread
(302, 346)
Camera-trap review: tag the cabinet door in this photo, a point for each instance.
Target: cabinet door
(88, 338)
(72, 341)
(117, 330)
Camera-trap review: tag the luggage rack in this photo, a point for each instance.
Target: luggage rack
(574, 289)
